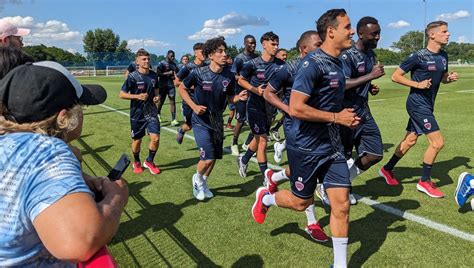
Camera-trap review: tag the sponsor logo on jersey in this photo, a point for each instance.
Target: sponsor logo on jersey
(207, 85)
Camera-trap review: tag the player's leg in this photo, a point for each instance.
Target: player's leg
(153, 128)
(206, 162)
(187, 125)
(137, 132)
(171, 96)
(231, 116)
(436, 143)
(163, 94)
(240, 116)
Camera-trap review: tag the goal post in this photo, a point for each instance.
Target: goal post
(115, 70)
(82, 70)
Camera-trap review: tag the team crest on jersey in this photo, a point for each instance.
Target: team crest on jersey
(444, 63)
(426, 124)
(299, 184)
(256, 128)
(207, 85)
(153, 82)
(225, 84)
(202, 152)
(305, 64)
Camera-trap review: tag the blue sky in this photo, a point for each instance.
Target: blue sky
(162, 25)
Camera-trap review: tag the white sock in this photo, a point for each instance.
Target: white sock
(279, 176)
(354, 171)
(339, 247)
(204, 177)
(310, 214)
(281, 146)
(269, 200)
(199, 179)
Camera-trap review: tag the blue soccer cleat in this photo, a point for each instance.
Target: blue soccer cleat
(464, 189)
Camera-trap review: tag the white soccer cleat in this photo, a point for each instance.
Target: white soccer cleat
(278, 153)
(235, 150)
(352, 199)
(207, 191)
(198, 189)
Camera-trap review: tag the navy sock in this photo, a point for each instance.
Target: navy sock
(263, 166)
(247, 156)
(136, 156)
(235, 141)
(391, 164)
(426, 176)
(151, 156)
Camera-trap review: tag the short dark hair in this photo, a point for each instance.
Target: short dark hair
(281, 49)
(169, 52)
(142, 52)
(434, 24)
(304, 37)
(329, 18)
(212, 45)
(249, 36)
(269, 36)
(10, 57)
(198, 46)
(366, 20)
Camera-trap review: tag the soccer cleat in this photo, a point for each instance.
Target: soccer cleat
(137, 167)
(245, 147)
(235, 149)
(207, 191)
(272, 187)
(179, 136)
(429, 188)
(278, 153)
(242, 167)
(151, 167)
(316, 232)
(321, 194)
(464, 189)
(174, 123)
(259, 210)
(388, 176)
(275, 135)
(198, 190)
(352, 199)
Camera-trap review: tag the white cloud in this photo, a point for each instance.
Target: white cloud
(229, 24)
(454, 16)
(71, 50)
(399, 24)
(138, 43)
(48, 33)
(462, 39)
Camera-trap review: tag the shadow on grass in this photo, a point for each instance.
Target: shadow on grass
(239, 190)
(159, 217)
(249, 261)
(94, 153)
(372, 230)
(182, 163)
(293, 228)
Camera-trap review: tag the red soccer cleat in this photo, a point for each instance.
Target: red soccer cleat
(137, 167)
(429, 188)
(316, 232)
(151, 166)
(259, 210)
(272, 187)
(388, 176)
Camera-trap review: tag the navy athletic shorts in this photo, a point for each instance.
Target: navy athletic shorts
(421, 123)
(139, 126)
(208, 149)
(366, 138)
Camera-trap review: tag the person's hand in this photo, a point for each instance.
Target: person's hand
(260, 89)
(94, 183)
(374, 90)
(156, 99)
(425, 84)
(243, 95)
(142, 96)
(377, 71)
(453, 76)
(199, 109)
(115, 192)
(347, 118)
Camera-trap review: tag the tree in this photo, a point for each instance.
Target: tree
(42, 52)
(103, 47)
(409, 42)
(293, 53)
(387, 57)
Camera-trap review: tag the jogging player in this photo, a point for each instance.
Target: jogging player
(183, 73)
(254, 77)
(428, 67)
(142, 91)
(313, 143)
(282, 82)
(213, 86)
(166, 71)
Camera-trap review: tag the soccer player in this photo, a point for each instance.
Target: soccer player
(281, 54)
(360, 68)
(213, 86)
(283, 80)
(254, 77)
(241, 106)
(429, 68)
(464, 189)
(184, 60)
(10, 35)
(166, 71)
(142, 91)
(183, 73)
(313, 143)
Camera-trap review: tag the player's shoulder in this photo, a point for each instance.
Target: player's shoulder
(277, 61)
(151, 73)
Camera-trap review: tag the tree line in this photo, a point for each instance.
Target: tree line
(103, 47)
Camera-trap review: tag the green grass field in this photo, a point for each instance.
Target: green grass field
(164, 226)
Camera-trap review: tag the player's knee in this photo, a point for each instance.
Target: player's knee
(301, 204)
(437, 145)
(155, 139)
(374, 159)
(410, 142)
(341, 211)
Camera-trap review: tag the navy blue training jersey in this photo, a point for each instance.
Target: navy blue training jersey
(166, 81)
(320, 77)
(424, 64)
(284, 78)
(238, 64)
(210, 90)
(356, 63)
(137, 83)
(258, 72)
(186, 69)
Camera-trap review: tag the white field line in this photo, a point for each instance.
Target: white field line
(374, 204)
(465, 91)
